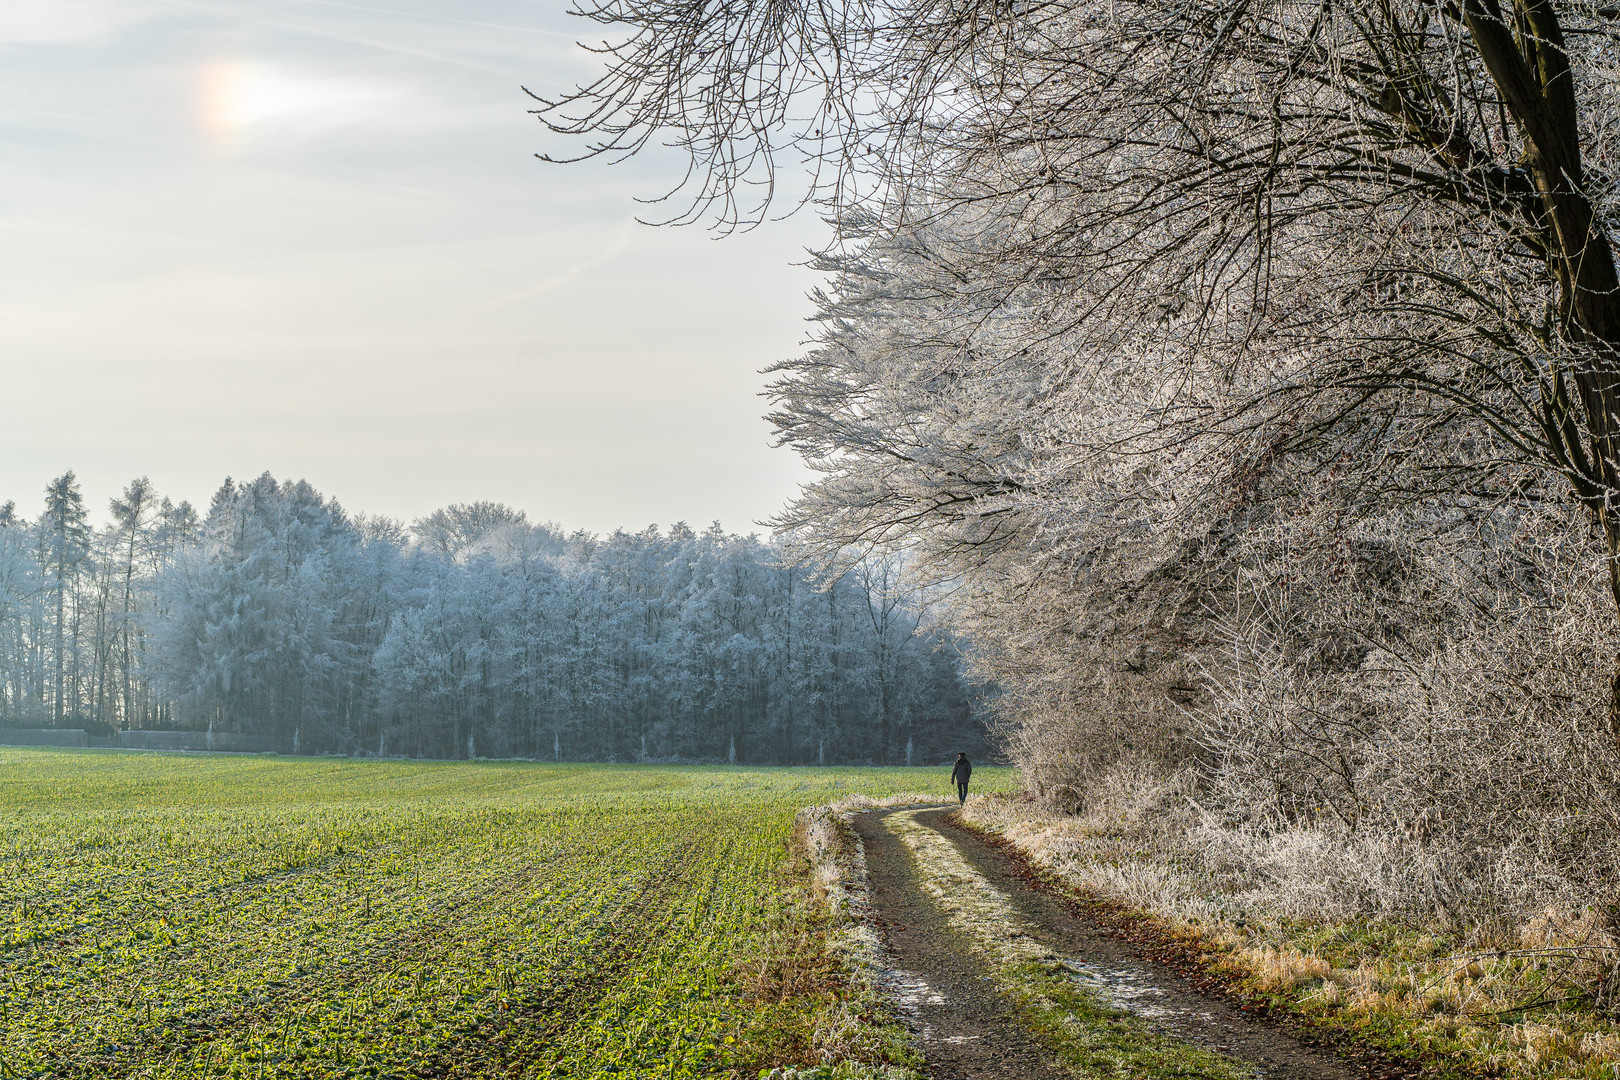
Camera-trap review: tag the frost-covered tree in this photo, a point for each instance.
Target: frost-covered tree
(64, 544)
(262, 624)
(132, 536)
(456, 527)
(280, 613)
(22, 597)
(1186, 240)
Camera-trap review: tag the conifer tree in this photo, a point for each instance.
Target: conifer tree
(64, 539)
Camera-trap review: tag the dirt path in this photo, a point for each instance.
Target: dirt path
(968, 1028)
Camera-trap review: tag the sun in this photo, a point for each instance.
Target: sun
(238, 99)
(224, 90)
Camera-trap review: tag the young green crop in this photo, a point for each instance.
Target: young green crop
(173, 916)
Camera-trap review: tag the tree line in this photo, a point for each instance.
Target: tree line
(472, 632)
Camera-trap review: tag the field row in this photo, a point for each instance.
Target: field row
(188, 917)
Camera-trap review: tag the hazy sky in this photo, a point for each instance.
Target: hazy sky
(311, 237)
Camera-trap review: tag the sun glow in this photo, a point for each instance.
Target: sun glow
(238, 100)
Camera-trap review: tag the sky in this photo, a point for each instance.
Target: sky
(312, 237)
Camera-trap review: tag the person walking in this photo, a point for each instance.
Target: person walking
(959, 776)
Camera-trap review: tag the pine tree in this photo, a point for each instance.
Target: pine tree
(130, 514)
(64, 536)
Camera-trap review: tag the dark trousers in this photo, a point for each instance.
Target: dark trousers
(961, 791)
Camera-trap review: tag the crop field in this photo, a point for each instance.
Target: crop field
(174, 916)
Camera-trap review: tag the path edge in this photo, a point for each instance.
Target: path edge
(827, 839)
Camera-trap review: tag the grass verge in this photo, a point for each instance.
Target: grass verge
(822, 953)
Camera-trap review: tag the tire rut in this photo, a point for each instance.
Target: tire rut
(968, 1029)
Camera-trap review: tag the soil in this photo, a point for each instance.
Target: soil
(967, 1028)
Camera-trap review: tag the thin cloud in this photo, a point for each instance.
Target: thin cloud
(64, 21)
(622, 238)
(426, 17)
(364, 40)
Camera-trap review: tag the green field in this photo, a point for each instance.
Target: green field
(186, 916)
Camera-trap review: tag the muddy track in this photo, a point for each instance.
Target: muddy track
(967, 1028)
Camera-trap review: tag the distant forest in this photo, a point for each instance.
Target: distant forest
(471, 632)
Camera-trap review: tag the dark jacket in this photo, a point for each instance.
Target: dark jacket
(963, 770)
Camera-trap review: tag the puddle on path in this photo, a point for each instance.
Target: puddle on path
(910, 992)
(1131, 989)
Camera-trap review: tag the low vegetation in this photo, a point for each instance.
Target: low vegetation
(256, 917)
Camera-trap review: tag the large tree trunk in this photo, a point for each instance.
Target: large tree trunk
(1531, 69)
